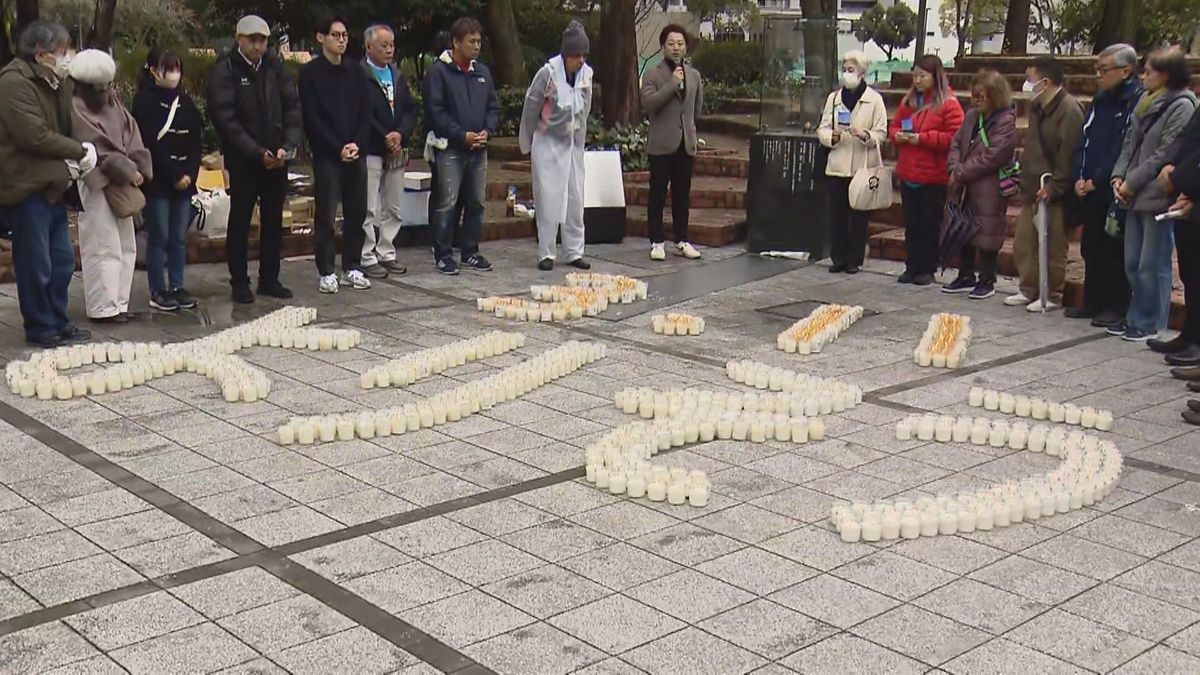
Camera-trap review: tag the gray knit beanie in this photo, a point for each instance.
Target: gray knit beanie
(575, 40)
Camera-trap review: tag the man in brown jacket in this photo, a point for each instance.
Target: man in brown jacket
(673, 95)
(38, 159)
(1055, 123)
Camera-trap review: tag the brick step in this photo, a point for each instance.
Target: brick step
(707, 227)
(708, 192)
(889, 245)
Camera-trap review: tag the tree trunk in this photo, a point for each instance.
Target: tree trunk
(509, 66)
(1117, 24)
(617, 67)
(27, 13)
(100, 36)
(1016, 28)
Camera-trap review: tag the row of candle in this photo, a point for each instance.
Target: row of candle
(822, 326)
(945, 341)
(815, 395)
(1089, 472)
(677, 324)
(653, 404)
(414, 366)
(982, 431)
(519, 309)
(619, 287)
(448, 406)
(1038, 409)
(617, 463)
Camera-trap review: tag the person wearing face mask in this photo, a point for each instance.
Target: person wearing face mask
(673, 96)
(853, 124)
(38, 160)
(171, 130)
(1055, 122)
(554, 130)
(922, 128)
(111, 194)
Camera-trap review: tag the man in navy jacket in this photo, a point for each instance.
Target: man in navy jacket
(462, 111)
(1105, 287)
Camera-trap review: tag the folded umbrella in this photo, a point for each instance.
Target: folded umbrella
(1042, 223)
(961, 227)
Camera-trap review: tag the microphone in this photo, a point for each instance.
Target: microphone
(683, 64)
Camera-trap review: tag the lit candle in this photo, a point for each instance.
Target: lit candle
(1008, 404)
(1087, 418)
(287, 434)
(984, 517)
(1073, 415)
(947, 523)
(304, 434)
(929, 523)
(656, 491)
(327, 429)
(698, 495)
(1023, 407)
(1038, 409)
(816, 429)
(345, 428)
(966, 520)
(1104, 420)
(910, 526)
(991, 400)
(851, 532)
(635, 486)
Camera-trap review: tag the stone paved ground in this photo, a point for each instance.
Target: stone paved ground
(162, 530)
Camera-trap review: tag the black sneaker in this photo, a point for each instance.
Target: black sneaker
(906, 278)
(837, 268)
(545, 264)
(185, 299)
(73, 334)
(1117, 330)
(960, 285)
(982, 291)
(164, 302)
(852, 269)
(580, 263)
(478, 263)
(922, 279)
(1108, 319)
(242, 295)
(447, 266)
(274, 289)
(1138, 335)
(45, 341)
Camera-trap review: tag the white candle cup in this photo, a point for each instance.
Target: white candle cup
(1038, 409)
(966, 520)
(708, 431)
(991, 400)
(304, 434)
(947, 523)
(871, 529)
(635, 486)
(984, 518)
(944, 433)
(1023, 407)
(617, 483)
(1087, 418)
(327, 429)
(816, 429)
(1057, 413)
(1033, 506)
(1008, 403)
(287, 434)
(677, 493)
(698, 496)
(345, 428)
(929, 524)
(975, 398)
(656, 491)
(1072, 414)
(1001, 515)
(910, 526)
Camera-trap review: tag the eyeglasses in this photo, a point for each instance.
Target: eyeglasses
(1101, 70)
(339, 36)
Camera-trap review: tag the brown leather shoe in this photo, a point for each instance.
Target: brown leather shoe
(1188, 374)
(1191, 417)
(1194, 405)
(1194, 387)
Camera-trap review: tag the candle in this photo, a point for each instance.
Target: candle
(910, 526)
(975, 398)
(1104, 420)
(929, 523)
(287, 434)
(984, 517)
(889, 525)
(1023, 407)
(947, 523)
(1038, 409)
(1008, 404)
(1001, 515)
(991, 400)
(304, 434)
(1073, 415)
(1087, 418)
(327, 429)
(656, 491)
(1033, 506)
(966, 520)
(635, 486)
(617, 482)
(698, 495)
(677, 493)
(345, 428)
(1057, 412)
(871, 529)
(816, 429)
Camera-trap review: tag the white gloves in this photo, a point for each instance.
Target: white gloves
(89, 159)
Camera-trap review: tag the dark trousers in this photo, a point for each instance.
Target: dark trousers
(461, 179)
(675, 169)
(847, 227)
(1187, 248)
(1105, 285)
(334, 181)
(978, 264)
(431, 211)
(250, 183)
(43, 262)
(923, 209)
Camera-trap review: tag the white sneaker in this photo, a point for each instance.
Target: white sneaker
(1018, 299)
(329, 284)
(687, 250)
(658, 252)
(1036, 306)
(356, 279)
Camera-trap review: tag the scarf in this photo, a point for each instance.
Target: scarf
(1148, 100)
(850, 97)
(569, 100)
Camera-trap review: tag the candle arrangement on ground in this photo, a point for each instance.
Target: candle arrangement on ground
(409, 368)
(1038, 409)
(448, 406)
(809, 395)
(618, 462)
(130, 364)
(945, 341)
(819, 328)
(583, 295)
(677, 324)
(1088, 473)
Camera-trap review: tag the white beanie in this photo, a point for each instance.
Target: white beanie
(94, 67)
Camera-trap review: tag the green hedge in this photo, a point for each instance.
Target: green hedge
(731, 63)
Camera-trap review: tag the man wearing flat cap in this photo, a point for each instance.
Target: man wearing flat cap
(254, 106)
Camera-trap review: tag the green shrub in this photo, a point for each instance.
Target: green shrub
(717, 94)
(732, 63)
(629, 139)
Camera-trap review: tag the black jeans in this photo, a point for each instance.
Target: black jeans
(250, 183)
(847, 227)
(1187, 248)
(973, 260)
(334, 181)
(923, 209)
(675, 169)
(1105, 285)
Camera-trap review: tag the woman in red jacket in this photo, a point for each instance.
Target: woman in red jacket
(921, 130)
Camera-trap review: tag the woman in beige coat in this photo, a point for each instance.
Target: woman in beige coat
(853, 124)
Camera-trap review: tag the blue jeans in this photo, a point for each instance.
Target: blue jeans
(1148, 246)
(459, 172)
(43, 262)
(167, 220)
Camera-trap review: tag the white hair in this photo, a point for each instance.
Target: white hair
(1122, 55)
(373, 31)
(94, 67)
(858, 58)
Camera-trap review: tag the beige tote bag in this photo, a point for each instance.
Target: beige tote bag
(871, 187)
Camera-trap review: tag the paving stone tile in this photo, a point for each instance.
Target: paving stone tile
(1079, 641)
(756, 570)
(467, 618)
(259, 666)
(125, 623)
(566, 499)
(1131, 612)
(791, 467)
(357, 650)
(745, 485)
(1011, 539)
(204, 483)
(1130, 536)
(254, 500)
(97, 665)
(433, 488)
(406, 586)
(610, 666)
(497, 472)
(1003, 657)
(834, 601)
(1169, 515)
(747, 523)
(620, 566)
(362, 506)
(286, 623)
(315, 484)
(689, 595)
(483, 562)
(286, 525)
(691, 651)
(43, 647)
(387, 470)
(343, 453)
(429, 537)
(894, 575)
(1161, 659)
(980, 606)
(1032, 579)
(624, 520)
(229, 594)
(845, 653)
(133, 529)
(1186, 556)
(500, 517)
(799, 503)
(60, 487)
(687, 544)
(173, 554)
(557, 540)
(767, 629)
(351, 559)
(816, 547)
(1164, 582)
(205, 648)
(616, 624)
(854, 486)
(26, 522)
(76, 579)
(546, 591)
(14, 601)
(919, 634)
(953, 554)
(31, 553)
(533, 649)
(1083, 557)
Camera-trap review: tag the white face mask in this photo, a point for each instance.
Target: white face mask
(60, 65)
(169, 80)
(850, 79)
(1029, 86)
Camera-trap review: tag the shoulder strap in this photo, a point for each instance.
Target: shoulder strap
(170, 118)
(983, 133)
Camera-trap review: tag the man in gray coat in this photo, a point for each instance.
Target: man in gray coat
(672, 95)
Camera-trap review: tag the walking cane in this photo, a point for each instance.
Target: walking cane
(1042, 223)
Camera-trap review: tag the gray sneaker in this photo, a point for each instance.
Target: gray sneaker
(393, 267)
(376, 271)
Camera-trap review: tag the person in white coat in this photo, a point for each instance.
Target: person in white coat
(553, 132)
(853, 124)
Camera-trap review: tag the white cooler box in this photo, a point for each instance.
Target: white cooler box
(603, 197)
(414, 204)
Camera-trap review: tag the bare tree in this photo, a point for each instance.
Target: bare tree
(27, 13)
(1119, 23)
(508, 57)
(100, 36)
(1016, 27)
(617, 66)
